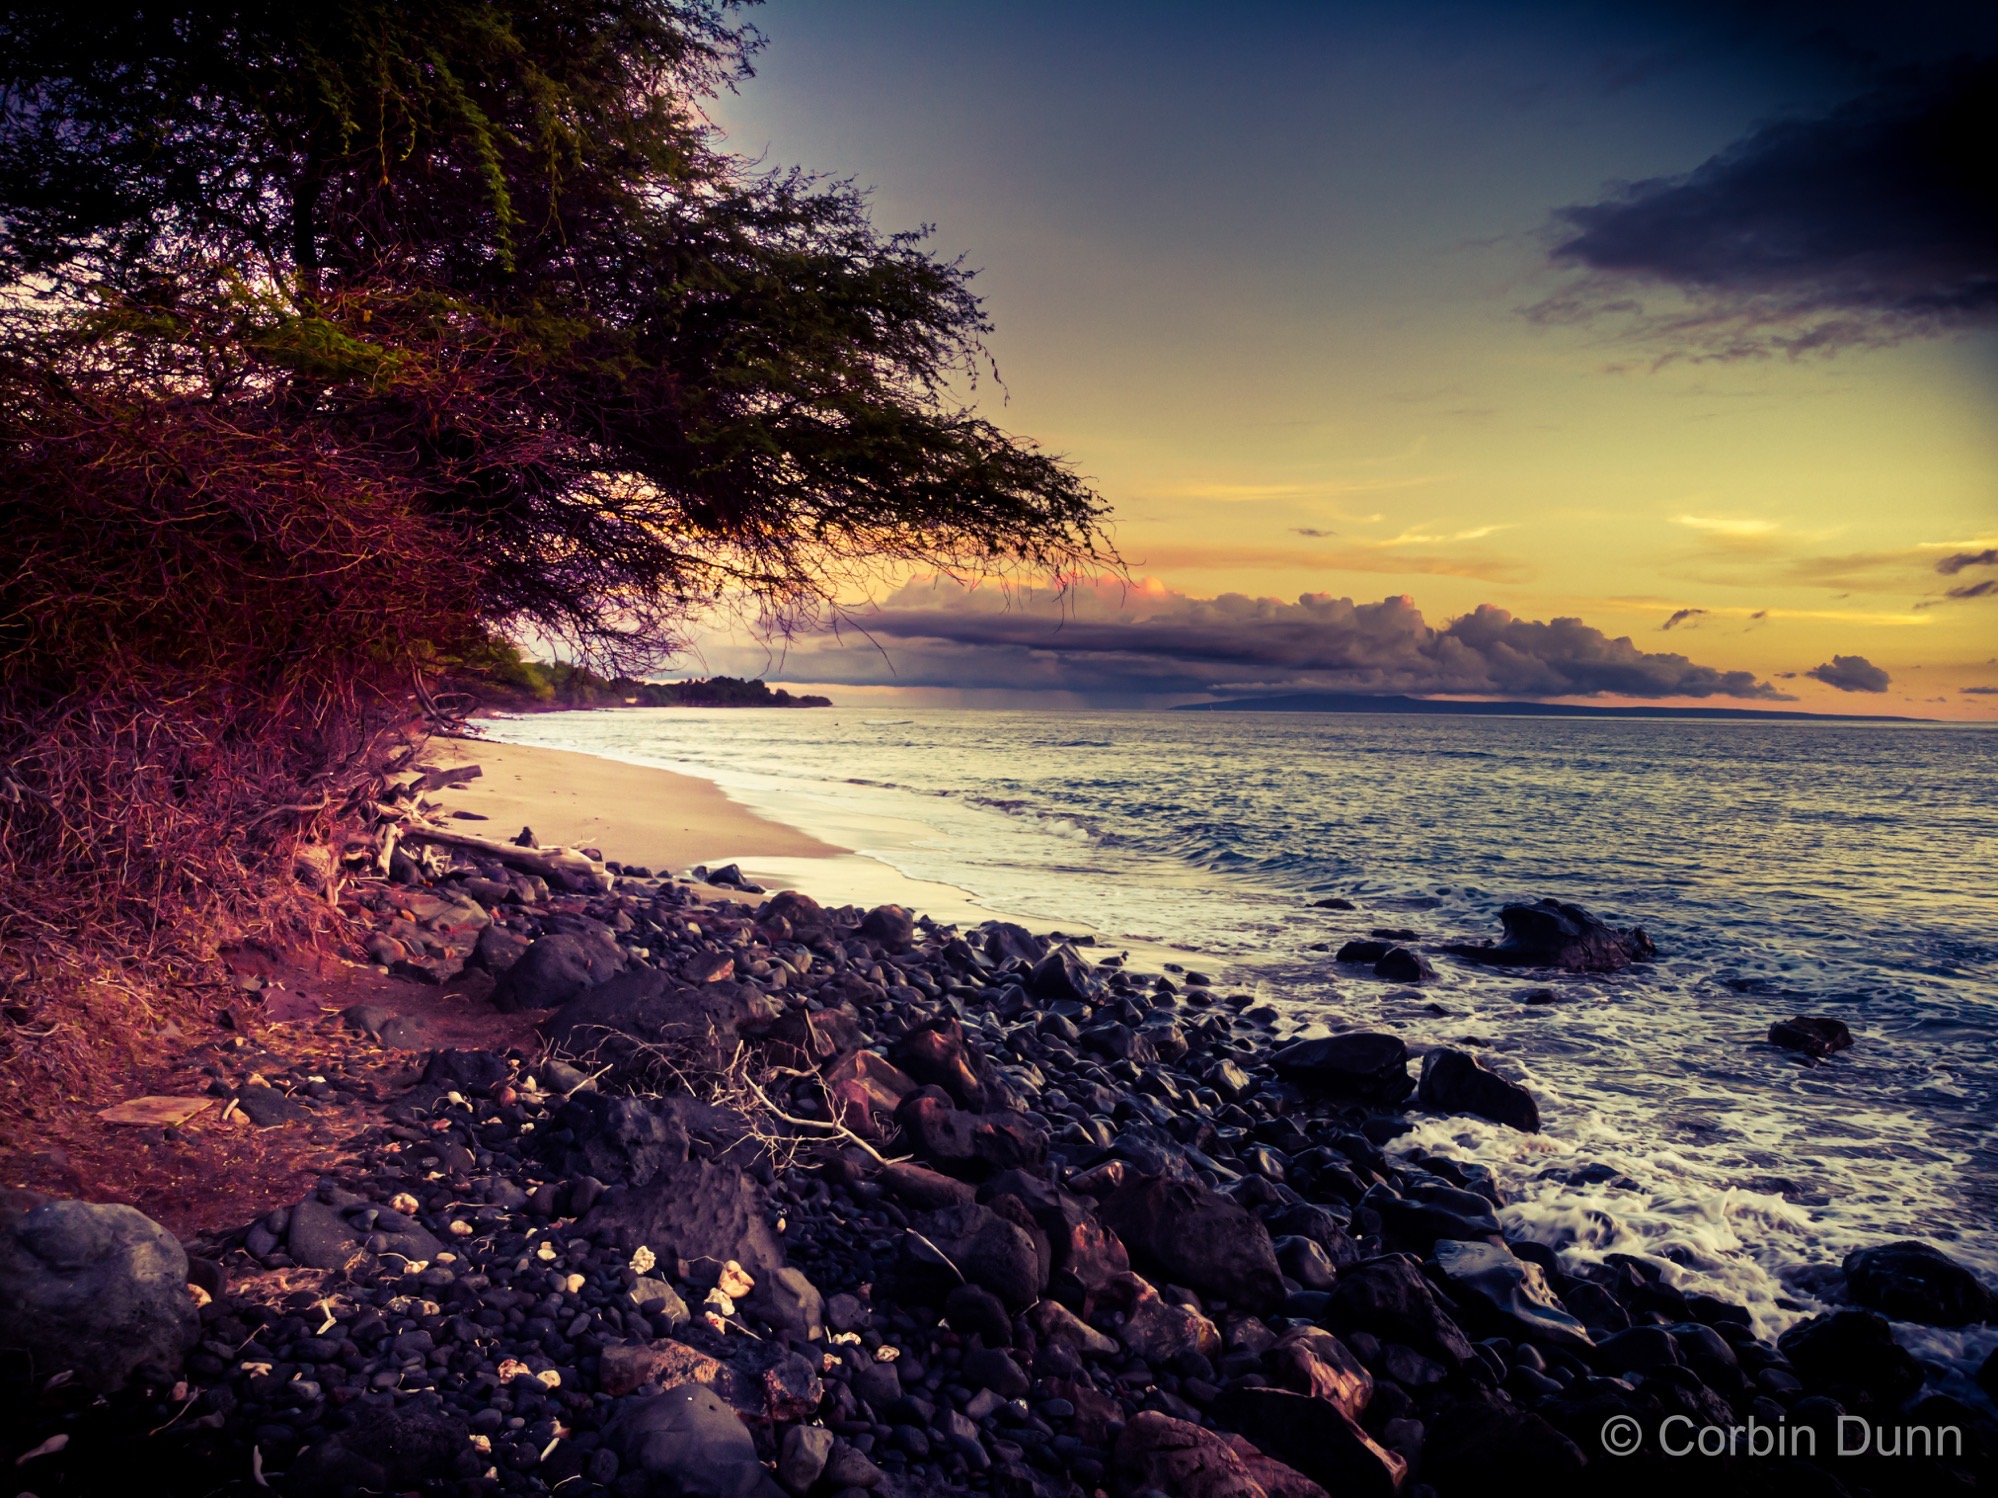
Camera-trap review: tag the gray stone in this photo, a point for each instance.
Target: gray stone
(93, 1289)
(803, 1456)
(689, 1442)
(556, 969)
(320, 1237)
(790, 1302)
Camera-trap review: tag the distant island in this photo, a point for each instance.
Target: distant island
(506, 681)
(1363, 702)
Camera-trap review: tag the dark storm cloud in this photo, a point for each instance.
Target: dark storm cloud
(1979, 691)
(1681, 616)
(1984, 589)
(1154, 641)
(1956, 562)
(1851, 673)
(1870, 224)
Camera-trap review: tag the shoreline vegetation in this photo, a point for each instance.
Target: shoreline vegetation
(510, 682)
(649, 1187)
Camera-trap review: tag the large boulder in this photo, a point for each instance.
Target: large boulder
(970, 1145)
(689, 1442)
(1914, 1282)
(697, 1023)
(1184, 1234)
(1511, 1294)
(1316, 1437)
(1852, 1356)
(556, 969)
(93, 1289)
(1553, 933)
(1457, 1082)
(1157, 1454)
(335, 1234)
(983, 1247)
(891, 926)
(1060, 975)
(623, 1140)
(692, 1209)
(1363, 1066)
(1389, 1298)
(937, 1054)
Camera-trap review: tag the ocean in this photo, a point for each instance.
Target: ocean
(1782, 868)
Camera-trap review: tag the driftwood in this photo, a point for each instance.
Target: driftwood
(559, 866)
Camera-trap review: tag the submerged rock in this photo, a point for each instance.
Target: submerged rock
(1816, 1035)
(1553, 933)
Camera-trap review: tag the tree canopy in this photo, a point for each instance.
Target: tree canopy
(466, 299)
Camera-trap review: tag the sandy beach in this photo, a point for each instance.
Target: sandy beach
(635, 814)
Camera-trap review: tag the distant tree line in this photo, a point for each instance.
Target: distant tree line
(510, 680)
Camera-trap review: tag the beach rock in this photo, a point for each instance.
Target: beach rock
(1054, 1322)
(1553, 933)
(319, 1236)
(688, 1442)
(555, 969)
(1416, 1224)
(1852, 1356)
(1310, 1360)
(1060, 975)
(987, 1250)
(1399, 965)
(971, 1145)
(1004, 942)
(1816, 1035)
(1156, 1453)
(692, 1209)
(1315, 1437)
(1181, 1232)
(1362, 1066)
(92, 1289)
(1152, 1328)
(1914, 1282)
(1362, 950)
(890, 925)
(473, 1073)
(1512, 1294)
(1457, 1082)
(1307, 1220)
(1389, 1298)
(268, 1108)
(803, 1456)
(936, 1054)
(618, 1139)
(497, 950)
(698, 1023)
(387, 1449)
(790, 1302)
(865, 1090)
(1477, 1446)
(805, 916)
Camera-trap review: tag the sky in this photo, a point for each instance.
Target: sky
(1598, 353)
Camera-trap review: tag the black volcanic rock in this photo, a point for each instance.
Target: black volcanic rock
(1365, 1066)
(1914, 1282)
(1553, 933)
(1456, 1082)
(1816, 1035)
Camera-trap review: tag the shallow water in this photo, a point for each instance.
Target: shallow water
(1782, 868)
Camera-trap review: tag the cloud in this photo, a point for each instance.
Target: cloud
(1851, 673)
(1984, 589)
(1724, 526)
(1311, 531)
(1949, 566)
(1979, 691)
(1150, 640)
(1681, 616)
(1864, 226)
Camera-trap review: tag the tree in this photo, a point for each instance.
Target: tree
(337, 338)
